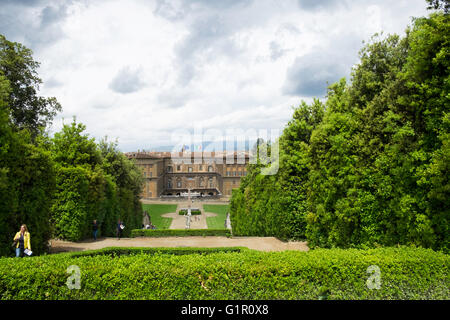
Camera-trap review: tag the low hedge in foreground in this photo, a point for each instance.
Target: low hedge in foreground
(405, 273)
(123, 251)
(180, 232)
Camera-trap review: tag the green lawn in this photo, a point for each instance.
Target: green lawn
(221, 211)
(156, 210)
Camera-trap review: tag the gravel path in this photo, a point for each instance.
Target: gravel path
(256, 243)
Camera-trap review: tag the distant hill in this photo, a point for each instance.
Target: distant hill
(192, 147)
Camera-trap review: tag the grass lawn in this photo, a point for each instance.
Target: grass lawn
(221, 211)
(156, 210)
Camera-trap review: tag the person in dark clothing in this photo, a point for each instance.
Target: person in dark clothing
(95, 229)
(120, 227)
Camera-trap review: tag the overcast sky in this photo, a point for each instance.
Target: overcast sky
(138, 70)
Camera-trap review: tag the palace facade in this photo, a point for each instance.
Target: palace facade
(205, 174)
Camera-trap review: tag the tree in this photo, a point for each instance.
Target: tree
(80, 181)
(27, 182)
(128, 182)
(372, 166)
(28, 110)
(439, 5)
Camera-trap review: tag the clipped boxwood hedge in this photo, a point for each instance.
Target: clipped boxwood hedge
(193, 212)
(406, 273)
(124, 251)
(180, 232)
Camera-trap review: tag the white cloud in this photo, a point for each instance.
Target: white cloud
(139, 70)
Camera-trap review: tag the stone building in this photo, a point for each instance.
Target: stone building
(206, 174)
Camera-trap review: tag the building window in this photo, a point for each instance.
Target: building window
(169, 184)
(210, 169)
(200, 167)
(169, 169)
(151, 174)
(189, 169)
(201, 182)
(150, 193)
(211, 182)
(178, 168)
(178, 183)
(145, 174)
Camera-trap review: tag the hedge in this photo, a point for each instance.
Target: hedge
(123, 251)
(406, 273)
(180, 232)
(193, 212)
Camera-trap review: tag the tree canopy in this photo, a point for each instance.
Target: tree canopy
(370, 165)
(28, 109)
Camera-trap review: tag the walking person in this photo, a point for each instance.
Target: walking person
(22, 241)
(95, 229)
(120, 227)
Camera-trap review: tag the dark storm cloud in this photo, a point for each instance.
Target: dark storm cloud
(127, 81)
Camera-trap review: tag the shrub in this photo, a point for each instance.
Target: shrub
(180, 233)
(123, 251)
(406, 273)
(193, 212)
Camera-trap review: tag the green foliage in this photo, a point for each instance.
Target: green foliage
(123, 251)
(180, 233)
(93, 182)
(439, 5)
(406, 273)
(28, 110)
(275, 205)
(55, 186)
(371, 165)
(27, 181)
(182, 212)
(128, 182)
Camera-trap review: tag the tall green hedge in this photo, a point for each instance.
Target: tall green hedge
(94, 181)
(370, 165)
(27, 182)
(55, 186)
(405, 273)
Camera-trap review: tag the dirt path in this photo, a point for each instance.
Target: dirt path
(256, 243)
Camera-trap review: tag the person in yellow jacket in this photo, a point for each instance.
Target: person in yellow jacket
(23, 240)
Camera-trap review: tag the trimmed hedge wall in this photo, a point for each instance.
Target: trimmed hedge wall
(180, 232)
(124, 251)
(193, 212)
(406, 273)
